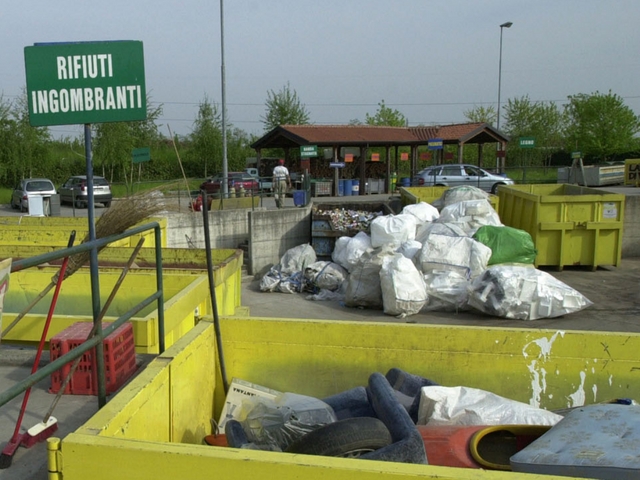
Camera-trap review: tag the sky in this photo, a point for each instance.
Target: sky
(432, 60)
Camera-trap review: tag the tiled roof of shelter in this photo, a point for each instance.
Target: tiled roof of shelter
(290, 136)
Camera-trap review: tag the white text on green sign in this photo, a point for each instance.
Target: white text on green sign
(86, 82)
(527, 142)
(309, 151)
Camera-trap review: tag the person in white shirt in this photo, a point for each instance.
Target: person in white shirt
(281, 181)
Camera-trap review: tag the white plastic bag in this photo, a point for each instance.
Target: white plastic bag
(470, 215)
(471, 406)
(423, 211)
(325, 275)
(410, 249)
(348, 250)
(448, 229)
(403, 289)
(363, 284)
(461, 254)
(462, 193)
(393, 229)
(297, 258)
(523, 293)
(447, 291)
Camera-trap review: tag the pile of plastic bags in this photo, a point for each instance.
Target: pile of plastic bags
(457, 258)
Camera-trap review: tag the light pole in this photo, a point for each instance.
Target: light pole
(504, 25)
(499, 160)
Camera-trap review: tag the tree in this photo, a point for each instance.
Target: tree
(114, 142)
(206, 138)
(31, 142)
(386, 116)
(600, 125)
(480, 114)
(284, 108)
(543, 121)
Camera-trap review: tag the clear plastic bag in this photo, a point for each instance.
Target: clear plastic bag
(279, 422)
(524, 293)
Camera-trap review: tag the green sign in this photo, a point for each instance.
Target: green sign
(576, 155)
(140, 155)
(527, 142)
(85, 82)
(307, 151)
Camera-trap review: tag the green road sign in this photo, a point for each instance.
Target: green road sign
(576, 155)
(527, 142)
(85, 82)
(307, 151)
(140, 155)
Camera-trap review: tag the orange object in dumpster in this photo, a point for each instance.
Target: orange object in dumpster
(477, 446)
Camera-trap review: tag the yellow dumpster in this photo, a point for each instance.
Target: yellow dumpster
(570, 225)
(154, 427)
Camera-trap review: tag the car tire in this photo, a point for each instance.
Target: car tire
(494, 188)
(79, 204)
(347, 438)
(107, 204)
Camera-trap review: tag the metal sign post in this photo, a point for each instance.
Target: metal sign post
(84, 83)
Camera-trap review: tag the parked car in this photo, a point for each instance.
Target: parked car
(453, 175)
(74, 191)
(235, 180)
(266, 183)
(31, 187)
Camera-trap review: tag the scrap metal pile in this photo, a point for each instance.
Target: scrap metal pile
(345, 219)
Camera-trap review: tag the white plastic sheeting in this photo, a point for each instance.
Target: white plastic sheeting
(471, 406)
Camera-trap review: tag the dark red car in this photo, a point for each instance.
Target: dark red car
(235, 181)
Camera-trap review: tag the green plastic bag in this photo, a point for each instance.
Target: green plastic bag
(507, 244)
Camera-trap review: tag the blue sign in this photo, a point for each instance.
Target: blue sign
(336, 164)
(435, 144)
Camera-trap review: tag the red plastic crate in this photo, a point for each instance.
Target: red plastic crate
(119, 359)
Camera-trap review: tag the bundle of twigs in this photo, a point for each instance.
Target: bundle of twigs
(122, 215)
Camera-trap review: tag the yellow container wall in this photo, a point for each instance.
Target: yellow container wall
(55, 231)
(186, 295)
(153, 428)
(570, 225)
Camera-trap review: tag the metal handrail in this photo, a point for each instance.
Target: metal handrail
(157, 296)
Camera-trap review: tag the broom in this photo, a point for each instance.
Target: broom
(121, 216)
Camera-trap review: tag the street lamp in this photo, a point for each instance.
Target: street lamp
(499, 160)
(504, 25)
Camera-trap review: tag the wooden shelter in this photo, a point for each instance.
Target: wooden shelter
(337, 144)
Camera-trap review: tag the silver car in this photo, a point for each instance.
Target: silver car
(74, 191)
(31, 187)
(453, 175)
